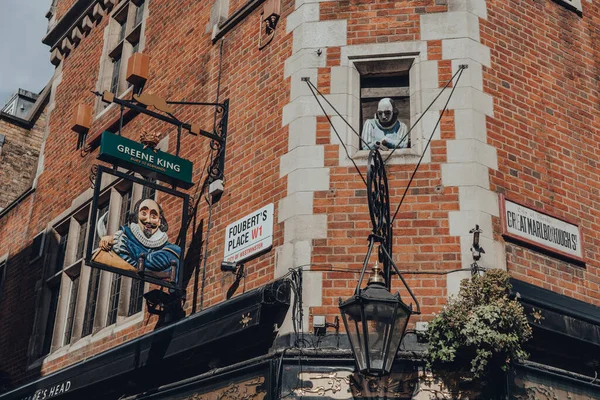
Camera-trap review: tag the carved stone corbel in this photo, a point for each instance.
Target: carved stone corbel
(109, 4)
(66, 46)
(76, 36)
(56, 57)
(98, 12)
(87, 24)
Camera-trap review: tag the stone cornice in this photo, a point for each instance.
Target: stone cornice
(68, 32)
(67, 22)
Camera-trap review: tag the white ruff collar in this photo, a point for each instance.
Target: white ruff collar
(158, 239)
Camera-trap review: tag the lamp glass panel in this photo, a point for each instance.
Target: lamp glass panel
(354, 327)
(402, 317)
(379, 317)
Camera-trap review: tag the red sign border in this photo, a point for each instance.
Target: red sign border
(506, 234)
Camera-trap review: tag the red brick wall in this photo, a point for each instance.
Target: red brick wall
(421, 234)
(17, 298)
(18, 160)
(184, 65)
(544, 79)
(546, 153)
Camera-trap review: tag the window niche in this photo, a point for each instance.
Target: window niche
(122, 38)
(3, 263)
(76, 301)
(379, 79)
(369, 73)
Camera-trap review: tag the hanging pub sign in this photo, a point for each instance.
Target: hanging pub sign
(249, 236)
(541, 230)
(145, 160)
(137, 228)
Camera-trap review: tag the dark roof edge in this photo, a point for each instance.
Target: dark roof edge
(562, 304)
(66, 23)
(38, 106)
(16, 201)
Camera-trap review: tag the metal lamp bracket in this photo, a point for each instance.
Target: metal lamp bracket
(379, 210)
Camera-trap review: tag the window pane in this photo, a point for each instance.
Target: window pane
(90, 306)
(61, 253)
(148, 192)
(139, 13)
(101, 223)
(122, 27)
(71, 310)
(137, 296)
(81, 240)
(115, 292)
(114, 84)
(54, 291)
(125, 208)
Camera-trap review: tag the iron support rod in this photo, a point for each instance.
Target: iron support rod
(403, 281)
(364, 268)
(160, 117)
(121, 119)
(178, 140)
(195, 103)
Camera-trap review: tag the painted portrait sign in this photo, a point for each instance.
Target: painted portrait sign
(138, 238)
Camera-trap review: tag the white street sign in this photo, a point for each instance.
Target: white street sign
(250, 235)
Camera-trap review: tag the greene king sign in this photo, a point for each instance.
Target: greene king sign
(132, 155)
(541, 230)
(249, 236)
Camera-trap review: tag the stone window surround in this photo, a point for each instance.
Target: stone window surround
(347, 76)
(81, 207)
(111, 33)
(574, 5)
(3, 267)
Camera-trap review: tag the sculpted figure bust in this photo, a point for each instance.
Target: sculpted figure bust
(144, 240)
(385, 131)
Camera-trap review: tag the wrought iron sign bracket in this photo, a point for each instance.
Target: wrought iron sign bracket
(138, 105)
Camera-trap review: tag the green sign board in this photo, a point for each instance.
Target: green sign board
(132, 155)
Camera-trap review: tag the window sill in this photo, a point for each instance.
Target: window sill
(111, 106)
(573, 5)
(401, 156)
(91, 339)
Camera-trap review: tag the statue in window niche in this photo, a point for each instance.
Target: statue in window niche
(142, 245)
(385, 131)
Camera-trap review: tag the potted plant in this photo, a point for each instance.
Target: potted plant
(476, 337)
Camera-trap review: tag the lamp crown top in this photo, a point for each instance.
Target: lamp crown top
(376, 277)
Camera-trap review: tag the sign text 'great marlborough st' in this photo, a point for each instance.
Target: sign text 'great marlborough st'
(540, 229)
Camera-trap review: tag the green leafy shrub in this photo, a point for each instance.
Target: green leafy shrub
(477, 334)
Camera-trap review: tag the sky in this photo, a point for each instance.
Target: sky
(24, 60)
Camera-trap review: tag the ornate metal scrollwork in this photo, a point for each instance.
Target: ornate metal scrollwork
(378, 194)
(93, 174)
(216, 168)
(379, 207)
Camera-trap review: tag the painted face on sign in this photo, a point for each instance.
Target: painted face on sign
(149, 217)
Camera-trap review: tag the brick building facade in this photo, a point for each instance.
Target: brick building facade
(522, 122)
(22, 124)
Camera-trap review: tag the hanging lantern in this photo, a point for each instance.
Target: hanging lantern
(375, 322)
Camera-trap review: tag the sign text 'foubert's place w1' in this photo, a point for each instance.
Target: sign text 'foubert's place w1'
(249, 236)
(132, 155)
